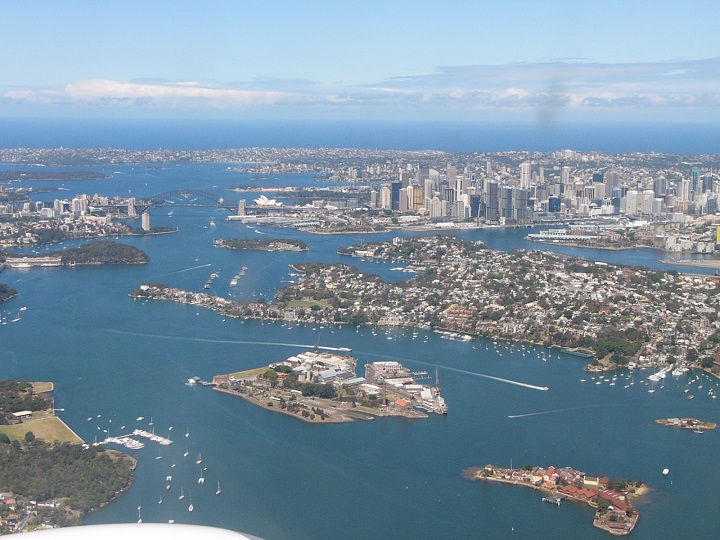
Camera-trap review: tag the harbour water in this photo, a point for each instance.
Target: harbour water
(282, 479)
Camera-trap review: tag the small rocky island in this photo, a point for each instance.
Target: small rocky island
(611, 497)
(699, 426)
(262, 244)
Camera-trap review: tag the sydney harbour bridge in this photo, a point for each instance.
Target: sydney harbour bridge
(189, 198)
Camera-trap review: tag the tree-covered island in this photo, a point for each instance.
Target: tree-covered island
(6, 292)
(47, 476)
(618, 314)
(97, 252)
(262, 244)
(103, 252)
(611, 497)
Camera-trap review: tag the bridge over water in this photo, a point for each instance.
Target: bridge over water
(198, 199)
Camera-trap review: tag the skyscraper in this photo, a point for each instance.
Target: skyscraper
(146, 221)
(525, 174)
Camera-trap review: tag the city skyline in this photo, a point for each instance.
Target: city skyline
(546, 62)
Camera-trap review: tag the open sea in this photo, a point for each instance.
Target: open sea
(114, 359)
(681, 138)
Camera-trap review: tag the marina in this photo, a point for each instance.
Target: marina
(240, 274)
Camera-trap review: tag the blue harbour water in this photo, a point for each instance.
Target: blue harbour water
(118, 358)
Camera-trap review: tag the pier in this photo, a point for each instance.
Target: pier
(556, 499)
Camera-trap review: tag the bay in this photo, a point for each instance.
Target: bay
(122, 359)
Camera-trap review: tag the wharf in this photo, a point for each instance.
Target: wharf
(155, 438)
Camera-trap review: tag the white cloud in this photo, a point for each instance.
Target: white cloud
(548, 88)
(176, 94)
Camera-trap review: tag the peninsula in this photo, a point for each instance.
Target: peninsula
(322, 387)
(611, 497)
(601, 310)
(261, 244)
(47, 474)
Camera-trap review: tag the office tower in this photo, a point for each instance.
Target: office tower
(492, 202)
(695, 184)
(423, 173)
(132, 213)
(385, 197)
(553, 204)
(565, 175)
(597, 178)
(451, 174)
(660, 186)
(525, 174)
(631, 202)
(685, 189)
(395, 188)
(403, 200)
(474, 205)
(146, 221)
(612, 179)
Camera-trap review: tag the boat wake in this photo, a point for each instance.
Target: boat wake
(567, 409)
(231, 342)
(184, 270)
(483, 375)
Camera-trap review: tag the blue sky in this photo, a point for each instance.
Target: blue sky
(550, 61)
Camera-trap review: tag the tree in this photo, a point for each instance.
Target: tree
(29, 437)
(4, 439)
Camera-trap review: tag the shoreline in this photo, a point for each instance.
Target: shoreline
(704, 263)
(263, 405)
(600, 520)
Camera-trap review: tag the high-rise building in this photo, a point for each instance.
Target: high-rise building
(525, 174)
(695, 184)
(403, 200)
(451, 174)
(385, 197)
(492, 202)
(565, 175)
(146, 221)
(395, 188)
(423, 173)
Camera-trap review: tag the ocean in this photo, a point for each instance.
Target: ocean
(397, 135)
(115, 359)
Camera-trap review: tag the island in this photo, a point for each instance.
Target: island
(48, 476)
(97, 252)
(322, 387)
(698, 426)
(262, 244)
(611, 497)
(6, 292)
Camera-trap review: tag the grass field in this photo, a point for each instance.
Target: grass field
(45, 427)
(42, 387)
(249, 373)
(308, 303)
